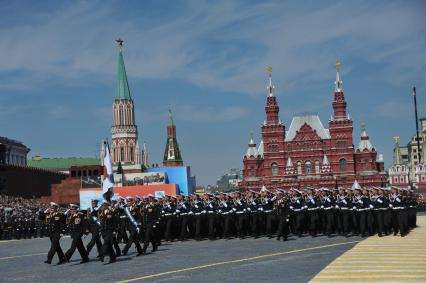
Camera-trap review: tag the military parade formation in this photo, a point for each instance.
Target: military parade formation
(149, 221)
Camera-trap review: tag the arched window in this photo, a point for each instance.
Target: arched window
(274, 167)
(121, 154)
(121, 115)
(308, 168)
(299, 167)
(342, 165)
(131, 153)
(317, 167)
(367, 164)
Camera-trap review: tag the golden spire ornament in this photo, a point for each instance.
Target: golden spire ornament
(337, 65)
(270, 71)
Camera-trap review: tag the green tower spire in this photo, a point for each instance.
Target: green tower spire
(123, 91)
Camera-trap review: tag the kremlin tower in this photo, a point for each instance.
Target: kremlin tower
(125, 147)
(172, 156)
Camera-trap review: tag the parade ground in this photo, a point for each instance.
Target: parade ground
(321, 259)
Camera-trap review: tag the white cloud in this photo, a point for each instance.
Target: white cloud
(211, 47)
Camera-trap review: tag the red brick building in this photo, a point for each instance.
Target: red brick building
(308, 154)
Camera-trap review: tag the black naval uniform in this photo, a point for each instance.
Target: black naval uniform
(283, 215)
(56, 224)
(94, 227)
(133, 230)
(149, 222)
(77, 227)
(108, 225)
(311, 204)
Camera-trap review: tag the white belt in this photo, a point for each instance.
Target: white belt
(310, 209)
(344, 208)
(239, 212)
(210, 211)
(362, 209)
(184, 214)
(168, 214)
(267, 211)
(328, 208)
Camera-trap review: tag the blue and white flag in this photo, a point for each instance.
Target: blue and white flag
(108, 182)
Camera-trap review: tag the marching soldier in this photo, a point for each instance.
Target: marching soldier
(134, 214)
(343, 202)
(311, 204)
(56, 222)
(182, 211)
(94, 228)
(240, 215)
(149, 222)
(266, 207)
(168, 213)
(77, 226)
(108, 225)
(283, 214)
(211, 208)
(296, 206)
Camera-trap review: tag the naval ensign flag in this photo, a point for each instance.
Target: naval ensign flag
(108, 183)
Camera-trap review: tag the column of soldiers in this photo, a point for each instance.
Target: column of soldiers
(142, 221)
(329, 212)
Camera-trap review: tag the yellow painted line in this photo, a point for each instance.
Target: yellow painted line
(231, 262)
(374, 260)
(385, 256)
(374, 268)
(363, 279)
(372, 273)
(19, 256)
(361, 271)
(379, 264)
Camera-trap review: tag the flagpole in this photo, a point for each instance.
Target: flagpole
(417, 125)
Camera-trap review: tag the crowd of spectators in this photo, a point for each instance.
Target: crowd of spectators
(19, 218)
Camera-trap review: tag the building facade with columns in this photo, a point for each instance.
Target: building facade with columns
(309, 155)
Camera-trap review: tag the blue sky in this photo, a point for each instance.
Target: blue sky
(207, 61)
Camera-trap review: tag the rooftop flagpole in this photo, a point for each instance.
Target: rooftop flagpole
(417, 125)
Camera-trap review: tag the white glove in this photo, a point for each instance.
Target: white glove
(371, 206)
